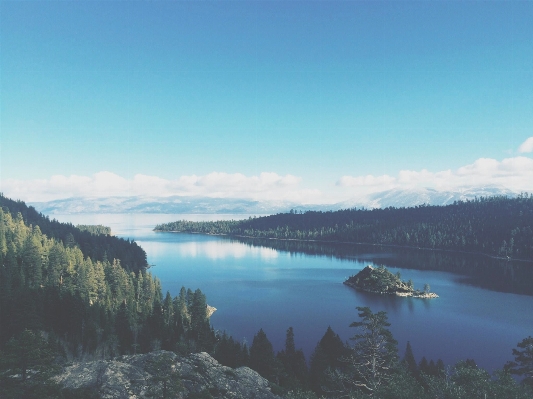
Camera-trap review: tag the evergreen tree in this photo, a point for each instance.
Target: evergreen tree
(326, 356)
(124, 330)
(374, 353)
(423, 366)
(26, 367)
(523, 360)
(262, 357)
(409, 360)
(294, 374)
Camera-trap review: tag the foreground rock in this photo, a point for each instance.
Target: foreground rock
(130, 377)
(381, 281)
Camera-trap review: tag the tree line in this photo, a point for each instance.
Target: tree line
(96, 229)
(497, 226)
(96, 246)
(371, 367)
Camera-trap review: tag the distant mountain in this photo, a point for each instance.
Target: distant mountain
(205, 205)
(171, 205)
(398, 198)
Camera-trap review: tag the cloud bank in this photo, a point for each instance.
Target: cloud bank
(514, 173)
(526, 146)
(270, 186)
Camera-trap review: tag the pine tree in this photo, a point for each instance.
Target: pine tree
(409, 360)
(326, 356)
(523, 360)
(294, 373)
(262, 356)
(374, 353)
(26, 367)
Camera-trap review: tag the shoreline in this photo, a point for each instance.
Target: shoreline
(423, 295)
(508, 259)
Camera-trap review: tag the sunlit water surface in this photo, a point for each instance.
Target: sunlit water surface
(257, 287)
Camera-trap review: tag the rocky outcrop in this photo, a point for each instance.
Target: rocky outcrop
(130, 377)
(381, 281)
(209, 310)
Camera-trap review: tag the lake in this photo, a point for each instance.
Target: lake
(484, 309)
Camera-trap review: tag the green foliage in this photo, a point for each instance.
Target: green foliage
(97, 229)
(58, 284)
(409, 360)
(374, 352)
(26, 366)
(498, 226)
(262, 357)
(381, 280)
(466, 381)
(98, 247)
(229, 352)
(401, 385)
(523, 361)
(326, 358)
(294, 373)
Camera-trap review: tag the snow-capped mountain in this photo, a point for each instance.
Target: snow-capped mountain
(418, 196)
(205, 205)
(175, 204)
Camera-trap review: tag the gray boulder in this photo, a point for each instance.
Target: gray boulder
(129, 377)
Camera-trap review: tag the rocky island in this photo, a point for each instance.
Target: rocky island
(144, 376)
(381, 281)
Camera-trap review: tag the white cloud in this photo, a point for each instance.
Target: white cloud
(269, 186)
(514, 173)
(526, 146)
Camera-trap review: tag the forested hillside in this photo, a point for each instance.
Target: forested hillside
(69, 284)
(497, 226)
(98, 247)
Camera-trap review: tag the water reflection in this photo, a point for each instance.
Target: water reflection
(220, 250)
(475, 270)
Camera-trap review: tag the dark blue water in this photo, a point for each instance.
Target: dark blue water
(255, 286)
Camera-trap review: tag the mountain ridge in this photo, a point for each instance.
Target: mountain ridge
(207, 205)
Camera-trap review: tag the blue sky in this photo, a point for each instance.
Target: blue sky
(311, 101)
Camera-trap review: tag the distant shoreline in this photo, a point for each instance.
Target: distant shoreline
(355, 243)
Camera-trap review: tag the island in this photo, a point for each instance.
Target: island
(381, 281)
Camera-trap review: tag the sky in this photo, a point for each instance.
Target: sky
(308, 101)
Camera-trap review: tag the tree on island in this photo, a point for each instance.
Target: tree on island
(427, 288)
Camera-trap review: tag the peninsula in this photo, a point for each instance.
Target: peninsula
(381, 281)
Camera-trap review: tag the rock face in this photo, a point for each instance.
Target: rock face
(128, 377)
(381, 281)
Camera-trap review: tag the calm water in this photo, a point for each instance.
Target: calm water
(266, 285)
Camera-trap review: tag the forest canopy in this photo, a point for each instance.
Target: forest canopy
(496, 226)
